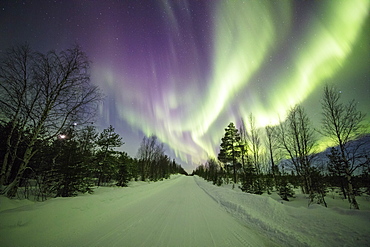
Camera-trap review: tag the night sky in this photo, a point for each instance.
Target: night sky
(183, 70)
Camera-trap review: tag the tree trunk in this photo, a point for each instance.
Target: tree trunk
(351, 195)
(13, 156)
(342, 186)
(6, 166)
(234, 170)
(4, 169)
(12, 188)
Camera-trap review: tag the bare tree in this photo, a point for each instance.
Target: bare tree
(48, 92)
(343, 123)
(252, 181)
(149, 153)
(214, 169)
(271, 143)
(255, 143)
(244, 146)
(296, 138)
(156, 163)
(15, 82)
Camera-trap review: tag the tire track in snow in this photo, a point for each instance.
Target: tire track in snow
(175, 212)
(281, 238)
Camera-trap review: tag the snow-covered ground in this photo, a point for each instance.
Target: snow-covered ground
(296, 223)
(182, 211)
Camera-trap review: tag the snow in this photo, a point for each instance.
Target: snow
(181, 211)
(294, 223)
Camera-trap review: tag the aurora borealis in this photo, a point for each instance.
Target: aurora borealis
(183, 70)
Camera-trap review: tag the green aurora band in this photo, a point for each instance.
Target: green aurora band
(247, 35)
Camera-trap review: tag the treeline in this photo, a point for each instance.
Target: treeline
(79, 159)
(285, 156)
(48, 144)
(152, 163)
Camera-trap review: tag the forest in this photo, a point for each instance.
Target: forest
(49, 145)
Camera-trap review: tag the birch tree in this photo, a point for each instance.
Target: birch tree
(271, 143)
(42, 93)
(343, 123)
(149, 154)
(296, 138)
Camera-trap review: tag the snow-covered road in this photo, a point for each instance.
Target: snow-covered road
(174, 212)
(181, 211)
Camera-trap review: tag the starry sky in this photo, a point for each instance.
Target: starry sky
(184, 69)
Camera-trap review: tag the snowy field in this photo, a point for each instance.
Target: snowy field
(182, 211)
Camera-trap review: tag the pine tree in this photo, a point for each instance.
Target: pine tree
(249, 179)
(106, 160)
(336, 168)
(284, 188)
(318, 186)
(230, 148)
(70, 173)
(122, 175)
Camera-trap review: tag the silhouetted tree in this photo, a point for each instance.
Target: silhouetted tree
(148, 154)
(336, 168)
(343, 123)
(284, 188)
(249, 173)
(271, 143)
(70, 172)
(122, 175)
(254, 144)
(230, 150)
(42, 93)
(297, 139)
(88, 139)
(213, 171)
(319, 186)
(106, 159)
(254, 137)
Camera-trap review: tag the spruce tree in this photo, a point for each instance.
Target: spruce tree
(105, 157)
(337, 171)
(122, 175)
(230, 148)
(70, 173)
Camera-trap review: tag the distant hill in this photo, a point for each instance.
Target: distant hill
(357, 148)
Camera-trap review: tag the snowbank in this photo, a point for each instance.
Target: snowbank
(294, 226)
